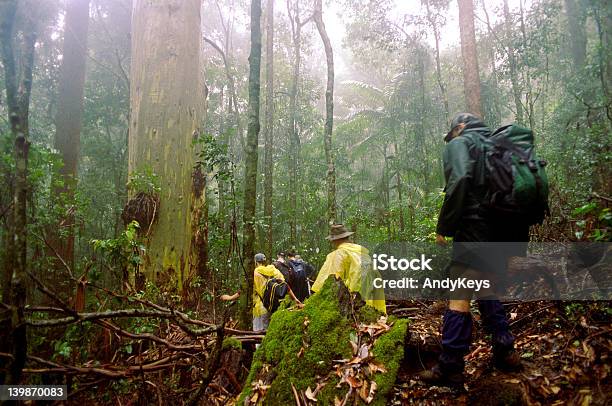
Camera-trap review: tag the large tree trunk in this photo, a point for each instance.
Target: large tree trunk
(294, 136)
(516, 90)
(269, 128)
(329, 113)
(165, 105)
(578, 39)
(471, 78)
(69, 113)
(18, 82)
(250, 173)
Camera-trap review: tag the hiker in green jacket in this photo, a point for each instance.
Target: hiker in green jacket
(465, 218)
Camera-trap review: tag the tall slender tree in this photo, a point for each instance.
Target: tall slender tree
(329, 112)
(516, 89)
(471, 77)
(17, 52)
(251, 156)
(269, 127)
(293, 10)
(165, 106)
(433, 19)
(69, 112)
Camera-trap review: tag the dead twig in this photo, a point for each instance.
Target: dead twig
(540, 310)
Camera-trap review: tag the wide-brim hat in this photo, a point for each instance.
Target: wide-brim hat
(338, 232)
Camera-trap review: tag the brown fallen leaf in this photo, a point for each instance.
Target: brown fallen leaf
(376, 367)
(355, 360)
(354, 382)
(364, 391)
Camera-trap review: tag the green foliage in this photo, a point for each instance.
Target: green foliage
(213, 156)
(145, 181)
(70, 345)
(124, 252)
(594, 222)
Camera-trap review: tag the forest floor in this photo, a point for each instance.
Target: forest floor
(565, 348)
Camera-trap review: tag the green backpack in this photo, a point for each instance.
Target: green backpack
(515, 176)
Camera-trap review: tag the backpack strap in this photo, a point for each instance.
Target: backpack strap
(267, 279)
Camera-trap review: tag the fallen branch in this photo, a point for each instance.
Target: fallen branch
(540, 310)
(109, 314)
(167, 362)
(48, 292)
(604, 198)
(47, 309)
(145, 336)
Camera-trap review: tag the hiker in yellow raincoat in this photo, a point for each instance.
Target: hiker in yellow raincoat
(352, 263)
(263, 272)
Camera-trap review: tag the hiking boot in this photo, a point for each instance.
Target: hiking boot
(436, 376)
(507, 360)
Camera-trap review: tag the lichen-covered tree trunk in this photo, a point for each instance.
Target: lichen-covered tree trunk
(18, 83)
(471, 77)
(329, 113)
(69, 112)
(250, 173)
(269, 127)
(165, 105)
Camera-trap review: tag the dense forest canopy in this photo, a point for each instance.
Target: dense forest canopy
(152, 148)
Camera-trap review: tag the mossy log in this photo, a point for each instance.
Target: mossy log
(335, 347)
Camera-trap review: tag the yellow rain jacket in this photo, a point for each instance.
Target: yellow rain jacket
(351, 263)
(259, 286)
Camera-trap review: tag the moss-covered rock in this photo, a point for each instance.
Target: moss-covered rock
(302, 348)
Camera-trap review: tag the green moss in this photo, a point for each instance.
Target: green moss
(319, 334)
(389, 350)
(368, 314)
(231, 342)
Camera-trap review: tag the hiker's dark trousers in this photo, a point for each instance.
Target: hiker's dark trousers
(457, 333)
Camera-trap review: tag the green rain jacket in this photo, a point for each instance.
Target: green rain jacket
(465, 184)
